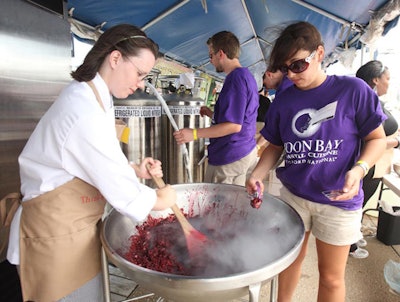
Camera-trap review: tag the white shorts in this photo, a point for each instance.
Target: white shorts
(327, 223)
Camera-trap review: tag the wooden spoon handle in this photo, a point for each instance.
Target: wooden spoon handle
(158, 181)
(187, 227)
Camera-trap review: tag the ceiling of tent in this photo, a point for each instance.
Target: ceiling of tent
(181, 28)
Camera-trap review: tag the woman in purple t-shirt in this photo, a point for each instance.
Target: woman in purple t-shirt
(320, 123)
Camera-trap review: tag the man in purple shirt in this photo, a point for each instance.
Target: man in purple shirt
(232, 152)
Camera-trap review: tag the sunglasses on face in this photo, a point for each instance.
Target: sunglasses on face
(299, 65)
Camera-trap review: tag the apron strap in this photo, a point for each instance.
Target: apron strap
(96, 93)
(120, 125)
(8, 206)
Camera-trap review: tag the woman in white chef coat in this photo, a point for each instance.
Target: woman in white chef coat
(72, 164)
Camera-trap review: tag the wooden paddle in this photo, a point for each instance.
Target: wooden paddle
(194, 238)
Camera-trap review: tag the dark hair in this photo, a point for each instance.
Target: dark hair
(295, 37)
(126, 38)
(226, 41)
(370, 71)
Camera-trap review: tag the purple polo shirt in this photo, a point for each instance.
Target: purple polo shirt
(237, 103)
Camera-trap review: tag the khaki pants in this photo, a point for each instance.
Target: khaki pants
(235, 173)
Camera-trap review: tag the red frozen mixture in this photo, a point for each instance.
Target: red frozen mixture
(159, 245)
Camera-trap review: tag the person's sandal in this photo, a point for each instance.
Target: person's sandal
(362, 243)
(359, 253)
(368, 231)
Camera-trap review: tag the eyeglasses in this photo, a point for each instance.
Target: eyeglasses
(141, 74)
(212, 54)
(299, 65)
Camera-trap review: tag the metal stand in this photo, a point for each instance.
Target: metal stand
(379, 198)
(106, 275)
(274, 290)
(254, 292)
(106, 282)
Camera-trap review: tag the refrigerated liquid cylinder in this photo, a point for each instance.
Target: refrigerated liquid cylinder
(143, 115)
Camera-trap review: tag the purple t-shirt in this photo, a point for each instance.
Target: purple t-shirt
(321, 131)
(237, 103)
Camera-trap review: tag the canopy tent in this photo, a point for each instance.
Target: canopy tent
(181, 28)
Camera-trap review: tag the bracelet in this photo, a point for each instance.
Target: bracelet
(364, 165)
(195, 138)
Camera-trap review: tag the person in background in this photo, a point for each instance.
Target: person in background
(264, 102)
(232, 151)
(319, 123)
(275, 80)
(272, 80)
(72, 164)
(377, 76)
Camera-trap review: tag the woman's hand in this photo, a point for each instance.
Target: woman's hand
(351, 184)
(166, 198)
(155, 168)
(253, 185)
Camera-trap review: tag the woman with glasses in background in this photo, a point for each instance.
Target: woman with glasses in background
(377, 76)
(72, 164)
(320, 122)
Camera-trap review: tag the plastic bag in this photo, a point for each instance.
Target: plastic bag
(387, 207)
(391, 271)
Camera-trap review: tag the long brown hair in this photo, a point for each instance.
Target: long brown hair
(126, 38)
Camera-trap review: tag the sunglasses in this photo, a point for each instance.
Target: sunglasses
(299, 65)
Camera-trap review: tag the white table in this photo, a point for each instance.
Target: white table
(392, 182)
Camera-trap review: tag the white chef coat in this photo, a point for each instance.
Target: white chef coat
(77, 138)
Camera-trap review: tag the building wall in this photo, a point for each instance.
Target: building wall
(36, 56)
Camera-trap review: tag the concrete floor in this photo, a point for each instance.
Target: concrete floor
(364, 277)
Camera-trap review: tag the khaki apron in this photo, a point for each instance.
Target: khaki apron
(60, 248)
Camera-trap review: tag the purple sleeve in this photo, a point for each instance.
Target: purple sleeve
(369, 113)
(232, 100)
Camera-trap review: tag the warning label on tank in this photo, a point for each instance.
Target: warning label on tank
(137, 111)
(183, 110)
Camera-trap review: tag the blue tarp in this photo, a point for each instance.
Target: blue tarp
(181, 28)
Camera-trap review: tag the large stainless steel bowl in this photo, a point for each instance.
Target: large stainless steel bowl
(268, 240)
